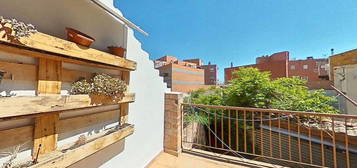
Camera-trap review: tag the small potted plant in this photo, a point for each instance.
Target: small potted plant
(119, 51)
(102, 89)
(79, 37)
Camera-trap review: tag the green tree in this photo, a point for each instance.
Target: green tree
(252, 88)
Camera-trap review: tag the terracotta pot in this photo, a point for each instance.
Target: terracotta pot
(119, 51)
(79, 37)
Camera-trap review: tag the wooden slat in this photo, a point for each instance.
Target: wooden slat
(24, 135)
(28, 107)
(49, 76)
(75, 155)
(17, 71)
(16, 136)
(56, 46)
(28, 72)
(124, 107)
(45, 134)
(75, 123)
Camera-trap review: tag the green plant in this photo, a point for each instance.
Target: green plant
(253, 88)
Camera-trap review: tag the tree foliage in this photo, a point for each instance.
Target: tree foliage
(253, 88)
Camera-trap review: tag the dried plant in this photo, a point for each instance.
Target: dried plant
(100, 84)
(16, 30)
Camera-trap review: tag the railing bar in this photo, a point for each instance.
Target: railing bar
(334, 143)
(279, 126)
(270, 137)
(347, 150)
(299, 139)
(215, 128)
(289, 161)
(245, 131)
(222, 130)
(198, 132)
(274, 111)
(261, 134)
(253, 138)
(289, 139)
(322, 143)
(310, 144)
(209, 132)
(237, 131)
(229, 129)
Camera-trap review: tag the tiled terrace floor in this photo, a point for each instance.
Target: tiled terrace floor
(186, 160)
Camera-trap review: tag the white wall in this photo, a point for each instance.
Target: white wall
(346, 80)
(147, 113)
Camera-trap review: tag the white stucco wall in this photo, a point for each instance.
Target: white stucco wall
(147, 113)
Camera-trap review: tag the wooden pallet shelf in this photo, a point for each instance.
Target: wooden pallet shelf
(41, 45)
(32, 106)
(70, 154)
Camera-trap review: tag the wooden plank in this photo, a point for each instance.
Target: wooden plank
(75, 123)
(50, 44)
(79, 153)
(16, 136)
(124, 108)
(28, 107)
(49, 76)
(45, 134)
(28, 72)
(17, 71)
(27, 51)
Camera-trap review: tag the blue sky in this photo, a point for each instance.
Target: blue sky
(238, 31)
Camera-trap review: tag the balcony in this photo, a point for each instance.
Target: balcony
(277, 137)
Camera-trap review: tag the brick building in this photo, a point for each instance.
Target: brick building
(211, 71)
(181, 76)
(310, 69)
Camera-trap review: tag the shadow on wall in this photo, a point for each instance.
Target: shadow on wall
(101, 157)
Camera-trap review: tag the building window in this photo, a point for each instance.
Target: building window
(292, 67)
(305, 67)
(211, 69)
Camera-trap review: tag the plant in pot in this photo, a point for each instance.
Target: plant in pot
(102, 89)
(14, 30)
(79, 37)
(119, 51)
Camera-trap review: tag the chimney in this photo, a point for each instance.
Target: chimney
(332, 51)
(231, 64)
(209, 62)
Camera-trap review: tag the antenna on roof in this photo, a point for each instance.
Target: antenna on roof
(231, 64)
(332, 51)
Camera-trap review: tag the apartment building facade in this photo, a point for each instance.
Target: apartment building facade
(184, 76)
(310, 69)
(211, 71)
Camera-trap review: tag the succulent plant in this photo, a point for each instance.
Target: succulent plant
(104, 84)
(100, 84)
(81, 87)
(20, 29)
